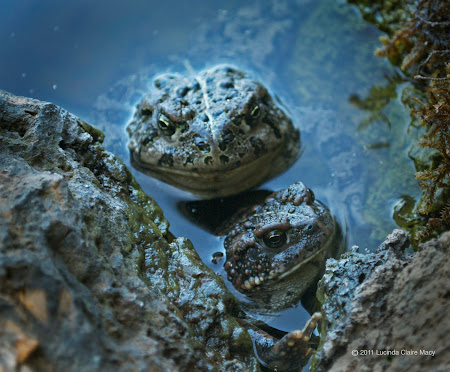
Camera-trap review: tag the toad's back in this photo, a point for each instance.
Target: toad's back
(213, 134)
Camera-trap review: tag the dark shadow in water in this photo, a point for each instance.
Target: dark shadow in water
(213, 214)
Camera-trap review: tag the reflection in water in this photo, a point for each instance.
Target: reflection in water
(376, 102)
(387, 135)
(214, 213)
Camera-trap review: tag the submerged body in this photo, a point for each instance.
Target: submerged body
(214, 134)
(274, 252)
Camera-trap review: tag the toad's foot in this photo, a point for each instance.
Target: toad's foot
(289, 353)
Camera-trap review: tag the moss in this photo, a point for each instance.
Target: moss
(387, 15)
(96, 134)
(417, 41)
(435, 180)
(201, 297)
(149, 207)
(422, 43)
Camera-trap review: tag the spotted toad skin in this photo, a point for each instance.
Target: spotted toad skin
(214, 134)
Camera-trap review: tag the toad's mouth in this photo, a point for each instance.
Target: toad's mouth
(325, 247)
(212, 183)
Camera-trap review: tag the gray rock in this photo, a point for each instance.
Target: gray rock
(381, 309)
(90, 277)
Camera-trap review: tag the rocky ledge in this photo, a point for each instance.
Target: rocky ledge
(78, 241)
(387, 311)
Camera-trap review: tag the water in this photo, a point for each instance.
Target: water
(97, 58)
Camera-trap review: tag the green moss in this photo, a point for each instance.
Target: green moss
(418, 41)
(435, 179)
(96, 134)
(387, 15)
(149, 207)
(178, 273)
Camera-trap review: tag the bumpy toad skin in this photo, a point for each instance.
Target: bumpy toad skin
(274, 253)
(213, 134)
(277, 250)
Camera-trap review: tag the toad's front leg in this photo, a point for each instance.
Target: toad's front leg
(291, 352)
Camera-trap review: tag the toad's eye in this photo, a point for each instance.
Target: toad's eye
(166, 126)
(255, 111)
(275, 238)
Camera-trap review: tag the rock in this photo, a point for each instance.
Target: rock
(387, 311)
(90, 277)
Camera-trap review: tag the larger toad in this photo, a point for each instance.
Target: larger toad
(274, 252)
(214, 134)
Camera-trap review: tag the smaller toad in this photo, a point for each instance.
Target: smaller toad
(274, 253)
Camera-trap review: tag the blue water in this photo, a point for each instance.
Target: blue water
(70, 52)
(96, 58)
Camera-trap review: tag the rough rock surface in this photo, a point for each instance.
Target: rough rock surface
(385, 306)
(76, 233)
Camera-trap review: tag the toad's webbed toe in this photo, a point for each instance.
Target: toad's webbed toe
(289, 353)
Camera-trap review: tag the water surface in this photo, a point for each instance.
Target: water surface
(96, 59)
